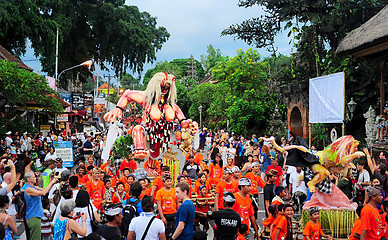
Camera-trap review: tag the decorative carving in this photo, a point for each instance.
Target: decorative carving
(370, 125)
(276, 123)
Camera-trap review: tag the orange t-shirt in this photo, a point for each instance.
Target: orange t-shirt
(82, 180)
(154, 165)
(215, 173)
(243, 207)
(133, 165)
(204, 207)
(96, 192)
(275, 223)
(115, 198)
(158, 183)
(356, 229)
(282, 225)
(268, 221)
(104, 165)
(385, 231)
(197, 158)
(371, 221)
(124, 164)
(240, 237)
(113, 177)
(147, 192)
(167, 200)
(312, 230)
(256, 181)
(225, 187)
(198, 183)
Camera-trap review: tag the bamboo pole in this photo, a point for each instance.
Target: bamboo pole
(309, 135)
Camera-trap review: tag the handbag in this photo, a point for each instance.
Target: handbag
(93, 222)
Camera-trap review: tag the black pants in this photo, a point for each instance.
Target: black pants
(170, 227)
(255, 203)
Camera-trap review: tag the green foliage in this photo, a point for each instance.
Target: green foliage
(128, 81)
(121, 146)
(88, 86)
(212, 57)
(15, 123)
(241, 95)
(177, 67)
(105, 30)
(20, 86)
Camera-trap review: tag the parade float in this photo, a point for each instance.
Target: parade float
(337, 213)
(152, 136)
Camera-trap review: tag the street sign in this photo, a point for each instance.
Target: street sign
(62, 118)
(64, 150)
(44, 127)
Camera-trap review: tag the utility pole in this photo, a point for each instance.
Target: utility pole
(109, 77)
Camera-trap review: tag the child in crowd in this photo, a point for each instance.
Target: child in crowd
(47, 233)
(312, 229)
(202, 205)
(167, 205)
(120, 195)
(243, 232)
(183, 178)
(280, 214)
(272, 209)
(202, 180)
(109, 191)
(186, 174)
(375, 182)
(280, 194)
(356, 230)
(283, 227)
(145, 183)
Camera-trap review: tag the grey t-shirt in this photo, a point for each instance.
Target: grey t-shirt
(364, 177)
(3, 191)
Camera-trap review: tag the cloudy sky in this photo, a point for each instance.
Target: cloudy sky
(193, 25)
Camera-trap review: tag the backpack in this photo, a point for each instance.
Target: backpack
(129, 213)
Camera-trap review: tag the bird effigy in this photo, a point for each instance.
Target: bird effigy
(335, 158)
(152, 135)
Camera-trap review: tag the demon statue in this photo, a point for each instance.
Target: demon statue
(160, 111)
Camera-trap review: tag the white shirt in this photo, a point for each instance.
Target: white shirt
(11, 209)
(9, 141)
(84, 210)
(59, 169)
(139, 224)
(364, 177)
(49, 156)
(297, 181)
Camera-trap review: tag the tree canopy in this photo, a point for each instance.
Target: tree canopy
(240, 95)
(20, 86)
(104, 30)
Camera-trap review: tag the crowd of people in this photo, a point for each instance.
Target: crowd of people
(217, 188)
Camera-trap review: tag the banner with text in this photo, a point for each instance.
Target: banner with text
(64, 150)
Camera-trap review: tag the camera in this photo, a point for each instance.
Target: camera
(57, 175)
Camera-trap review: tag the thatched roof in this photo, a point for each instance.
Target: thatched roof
(370, 37)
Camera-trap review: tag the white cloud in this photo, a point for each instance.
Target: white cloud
(194, 24)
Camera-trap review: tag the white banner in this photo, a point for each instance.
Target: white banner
(326, 98)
